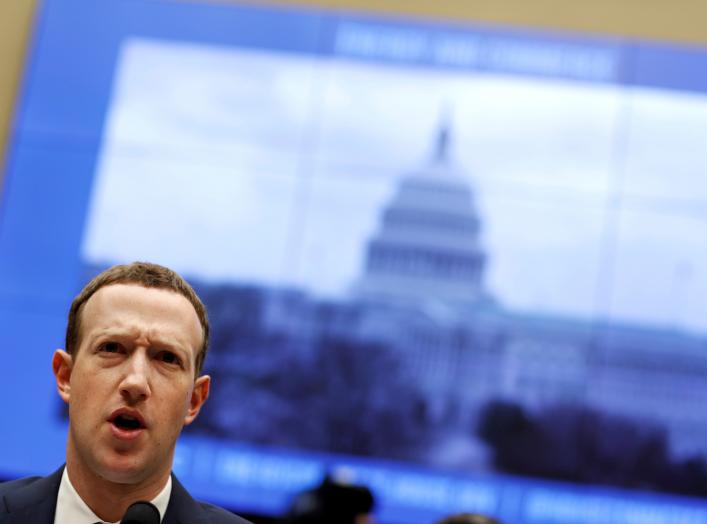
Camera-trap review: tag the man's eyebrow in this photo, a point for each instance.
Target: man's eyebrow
(159, 344)
(111, 331)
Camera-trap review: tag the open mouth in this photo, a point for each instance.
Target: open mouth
(127, 422)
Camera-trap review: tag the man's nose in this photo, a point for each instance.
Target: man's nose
(135, 385)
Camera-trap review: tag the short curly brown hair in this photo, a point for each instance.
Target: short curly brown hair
(143, 274)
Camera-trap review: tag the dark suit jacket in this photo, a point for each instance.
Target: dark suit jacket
(32, 500)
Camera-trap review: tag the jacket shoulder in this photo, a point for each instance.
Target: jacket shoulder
(217, 514)
(183, 509)
(14, 485)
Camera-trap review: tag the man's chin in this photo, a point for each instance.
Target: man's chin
(125, 470)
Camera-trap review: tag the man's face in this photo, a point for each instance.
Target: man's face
(130, 384)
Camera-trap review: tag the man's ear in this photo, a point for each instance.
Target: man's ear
(62, 363)
(198, 396)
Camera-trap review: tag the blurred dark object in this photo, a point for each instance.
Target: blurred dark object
(468, 518)
(141, 512)
(333, 502)
(580, 444)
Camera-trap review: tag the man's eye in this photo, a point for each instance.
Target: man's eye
(169, 357)
(110, 347)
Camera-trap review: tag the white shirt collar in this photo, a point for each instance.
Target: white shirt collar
(71, 509)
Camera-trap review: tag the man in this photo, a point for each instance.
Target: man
(136, 339)
(333, 502)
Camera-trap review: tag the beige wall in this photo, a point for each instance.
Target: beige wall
(15, 23)
(671, 20)
(677, 20)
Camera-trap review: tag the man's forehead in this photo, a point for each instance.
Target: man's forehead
(129, 293)
(110, 305)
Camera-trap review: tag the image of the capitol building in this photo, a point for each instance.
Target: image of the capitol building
(421, 293)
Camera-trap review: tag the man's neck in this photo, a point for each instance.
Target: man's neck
(110, 500)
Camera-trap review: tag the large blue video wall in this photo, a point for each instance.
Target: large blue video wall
(463, 265)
